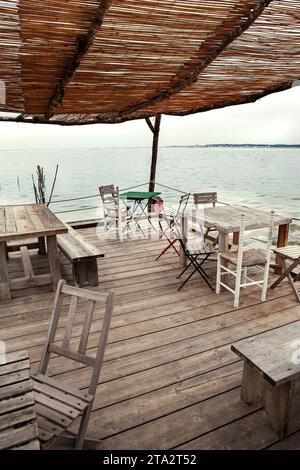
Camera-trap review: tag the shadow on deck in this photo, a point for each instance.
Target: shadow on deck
(169, 379)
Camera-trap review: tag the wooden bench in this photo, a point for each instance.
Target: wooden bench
(83, 256)
(271, 375)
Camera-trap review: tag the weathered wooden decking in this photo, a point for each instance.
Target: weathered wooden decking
(170, 379)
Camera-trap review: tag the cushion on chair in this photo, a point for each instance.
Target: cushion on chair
(250, 257)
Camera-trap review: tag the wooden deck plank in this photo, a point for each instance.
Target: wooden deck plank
(169, 431)
(169, 378)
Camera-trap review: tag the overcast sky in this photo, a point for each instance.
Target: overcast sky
(274, 119)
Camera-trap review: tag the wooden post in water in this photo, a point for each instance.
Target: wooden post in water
(155, 130)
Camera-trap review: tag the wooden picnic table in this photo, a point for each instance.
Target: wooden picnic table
(18, 418)
(25, 221)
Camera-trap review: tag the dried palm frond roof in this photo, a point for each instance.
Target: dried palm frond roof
(83, 61)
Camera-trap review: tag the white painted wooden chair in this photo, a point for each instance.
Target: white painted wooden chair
(59, 404)
(256, 253)
(116, 215)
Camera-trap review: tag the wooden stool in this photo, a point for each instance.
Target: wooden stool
(272, 375)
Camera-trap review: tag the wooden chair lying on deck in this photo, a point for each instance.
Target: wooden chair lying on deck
(58, 404)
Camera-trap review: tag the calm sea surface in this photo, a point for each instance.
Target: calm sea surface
(266, 178)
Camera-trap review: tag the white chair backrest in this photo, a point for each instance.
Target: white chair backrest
(254, 225)
(109, 197)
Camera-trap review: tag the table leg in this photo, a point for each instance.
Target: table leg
(5, 293)
(223, 247)
(236, 238)
(282, 240)
(252, 384)
(276, 401)
(53, 260)
(42, 245)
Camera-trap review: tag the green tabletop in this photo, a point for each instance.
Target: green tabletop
(138, 195)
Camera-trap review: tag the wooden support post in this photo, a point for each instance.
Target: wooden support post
(155, 131)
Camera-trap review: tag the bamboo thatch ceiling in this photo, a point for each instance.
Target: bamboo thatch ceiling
(80, 61)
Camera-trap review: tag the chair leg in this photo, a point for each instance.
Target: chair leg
(171, 245)
(218, 280)
(245, 272)
(197, 266)
(265, 284)
(83, 426)
(237, 288)
(236, 302)
(184, 270)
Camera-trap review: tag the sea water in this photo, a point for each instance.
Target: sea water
(261, 177)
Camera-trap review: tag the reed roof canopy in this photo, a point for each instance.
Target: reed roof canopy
(108, 61)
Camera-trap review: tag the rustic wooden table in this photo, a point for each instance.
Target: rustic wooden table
(18, 418)
(227, 219)
(21, 222)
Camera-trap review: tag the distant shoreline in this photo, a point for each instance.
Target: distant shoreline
(237, 146)
(29, 149)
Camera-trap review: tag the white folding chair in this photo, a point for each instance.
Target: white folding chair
(256, 253)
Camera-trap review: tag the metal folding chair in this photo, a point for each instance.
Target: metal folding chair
(196, 249)
(172, 220)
